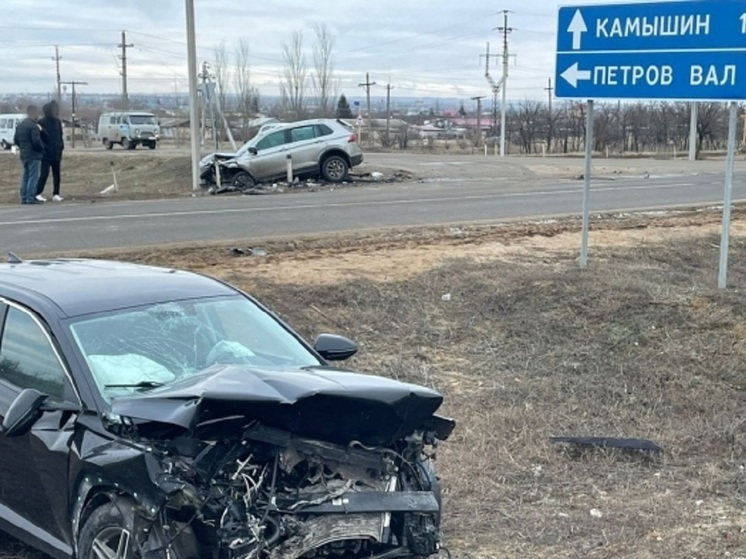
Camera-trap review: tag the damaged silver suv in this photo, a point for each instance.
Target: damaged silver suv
(153, 413)
(316, 148)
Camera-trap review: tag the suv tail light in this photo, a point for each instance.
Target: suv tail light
(352, 139)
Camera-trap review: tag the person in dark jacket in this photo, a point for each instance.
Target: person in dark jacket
(54, 145)
(28, 139)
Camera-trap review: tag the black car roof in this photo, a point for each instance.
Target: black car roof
(79, 287)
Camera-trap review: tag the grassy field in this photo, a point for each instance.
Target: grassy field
(528, 346)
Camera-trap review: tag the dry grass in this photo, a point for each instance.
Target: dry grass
(640, 345)
(84, 176)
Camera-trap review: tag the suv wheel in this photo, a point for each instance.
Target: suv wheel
(108, 144)
(108, 533)
(128, 144)
(335, 168)
(4, 145)
(243, 180)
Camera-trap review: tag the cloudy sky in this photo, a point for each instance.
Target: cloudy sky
(425, 47)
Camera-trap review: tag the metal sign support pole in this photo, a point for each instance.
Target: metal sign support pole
(587, 185)
(728, 196)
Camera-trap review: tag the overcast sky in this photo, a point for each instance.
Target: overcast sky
(425, 47)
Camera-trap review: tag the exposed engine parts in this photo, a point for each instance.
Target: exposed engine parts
(272, 495)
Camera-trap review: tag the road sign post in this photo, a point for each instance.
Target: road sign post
(728, 196)
(691, 50)
(587, 186)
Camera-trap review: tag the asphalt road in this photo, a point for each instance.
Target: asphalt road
(78, 227)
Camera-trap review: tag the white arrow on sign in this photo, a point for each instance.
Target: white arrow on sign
(574, 74)
(577, 28)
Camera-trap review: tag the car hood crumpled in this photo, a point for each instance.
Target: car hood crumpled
(322, 403)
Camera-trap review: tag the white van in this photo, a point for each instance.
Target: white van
(8, 123)
(129, 129)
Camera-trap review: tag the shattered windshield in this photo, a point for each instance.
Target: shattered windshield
(151, 346)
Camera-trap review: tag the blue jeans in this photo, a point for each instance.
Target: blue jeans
(29, 180)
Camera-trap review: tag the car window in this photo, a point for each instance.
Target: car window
(113, 120)
(27, 359)
(2, 122)
(323, 130)
(271, 141)
(302, 134)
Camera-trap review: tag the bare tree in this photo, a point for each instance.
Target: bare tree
(323, 69)
(242, 84)
(220, 66)
(295, 76)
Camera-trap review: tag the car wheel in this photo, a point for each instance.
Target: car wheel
(128, 144)
(152, 145)
(243, 180)
(4, 144)
(335, 168)
(108, 144)
(108, 533)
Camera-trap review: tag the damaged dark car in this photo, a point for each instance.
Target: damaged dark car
(154, 413)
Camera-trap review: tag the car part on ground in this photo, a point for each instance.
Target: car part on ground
(317, 148)
(196, 424)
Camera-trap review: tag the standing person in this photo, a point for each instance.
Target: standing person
(28, 140)
(54, 145)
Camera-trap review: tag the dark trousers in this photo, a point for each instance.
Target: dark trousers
(45, 167)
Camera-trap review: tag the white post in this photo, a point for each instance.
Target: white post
(693, 133)
(543, 150)
(587, 186)
(193, 97)
(728, 196)
(290, 168)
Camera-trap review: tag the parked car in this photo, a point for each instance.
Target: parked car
(322, 147)
(154, 413)
(129, 130)
(8, 123)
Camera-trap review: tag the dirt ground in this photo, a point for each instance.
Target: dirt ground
(525, 345)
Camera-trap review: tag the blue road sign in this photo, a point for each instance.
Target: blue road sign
(691, 50)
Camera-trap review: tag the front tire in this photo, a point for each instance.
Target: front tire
(243, 181)
(108, 144)
(152, 145)
(128, 144)
(108, 533)
(334, 168)
(4, 144)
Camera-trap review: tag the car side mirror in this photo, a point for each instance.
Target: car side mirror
(253, 151)
(25, 410)
(335, 348)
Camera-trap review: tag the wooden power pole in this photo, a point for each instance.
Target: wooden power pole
(389, 87)
(73, 84)
(57, 59)
(367, 85)
(124, 46)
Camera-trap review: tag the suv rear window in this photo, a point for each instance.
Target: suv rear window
(323, 130)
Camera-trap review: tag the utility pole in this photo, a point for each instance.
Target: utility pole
(479, 119)
(124, 46)
(73, 84)
(493, 84)
(549, 89)
(193, 97)
(367, 85)
(506, 30)
(207, 93)
(389, 87)
(57, 59)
